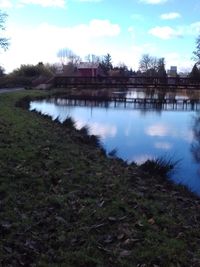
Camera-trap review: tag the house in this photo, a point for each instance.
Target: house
(88, 69)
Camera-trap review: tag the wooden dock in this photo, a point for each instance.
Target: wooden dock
(135, 103)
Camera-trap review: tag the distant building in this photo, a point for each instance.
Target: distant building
(183, 74)
(88, 69)
(172, 72)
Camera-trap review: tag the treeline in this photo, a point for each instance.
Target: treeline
(148, 65)
(33, 75)
(27, 75)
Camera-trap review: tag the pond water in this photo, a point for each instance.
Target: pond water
(139, 132)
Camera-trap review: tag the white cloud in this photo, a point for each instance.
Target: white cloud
(193, 29)
(169, 16)
(44, 3)
(91, 1)
(183, 62)
(103, 28)
(6, 4)
(154, 2)
(29, 45)
(165, 32)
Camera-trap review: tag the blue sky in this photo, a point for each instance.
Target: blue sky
(126, 29)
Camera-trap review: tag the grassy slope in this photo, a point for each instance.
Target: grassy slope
(63, 203)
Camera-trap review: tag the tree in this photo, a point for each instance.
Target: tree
(152, 66)
(91, 58)
(33, 71)
(106, 63)
(195, 145)
(122, 69)
(4, 42)
(195, 73)
(196, 52)
(161, 71)
(66, 55)
(2, 71)
(146, 63)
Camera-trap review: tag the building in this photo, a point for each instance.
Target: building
(88, 69)
(172, 72)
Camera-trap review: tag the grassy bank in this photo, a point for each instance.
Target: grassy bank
(63, 203)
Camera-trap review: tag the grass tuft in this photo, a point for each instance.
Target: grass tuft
(95, 140)
(113, 153)
(159, 166)
(85, 130)
(69, 122)
(24, 102)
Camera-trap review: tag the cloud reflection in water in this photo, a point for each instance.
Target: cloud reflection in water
(163, 145)
(100, 129)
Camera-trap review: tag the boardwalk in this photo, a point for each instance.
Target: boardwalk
(126, 82)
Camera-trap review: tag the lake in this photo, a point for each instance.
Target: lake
(141, 131)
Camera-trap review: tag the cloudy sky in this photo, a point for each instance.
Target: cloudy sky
(124, 28)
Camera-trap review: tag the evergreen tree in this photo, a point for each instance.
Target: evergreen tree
(195, 73)
(106, 63)
(161, 71)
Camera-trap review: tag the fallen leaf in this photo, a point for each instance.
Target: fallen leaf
(151, 221)
(112, 219)
(120, 236)
(109, 239)
(125, 253)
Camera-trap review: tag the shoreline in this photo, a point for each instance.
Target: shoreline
(64, 203)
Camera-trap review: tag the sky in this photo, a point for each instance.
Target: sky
(126, 29)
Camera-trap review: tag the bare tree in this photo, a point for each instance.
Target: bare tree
(146, 63)
(92, 58)
(152, 66)
(66, 56)
(196, 52)
(4, 42)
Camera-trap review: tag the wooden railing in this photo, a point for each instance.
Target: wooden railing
(131, 81)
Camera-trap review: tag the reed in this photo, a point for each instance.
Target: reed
(69, 123)
(159, 166)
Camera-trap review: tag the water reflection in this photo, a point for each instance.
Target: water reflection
(163, 145)
(158, 130)
(136, 135)
(195, 146)
(103, 130)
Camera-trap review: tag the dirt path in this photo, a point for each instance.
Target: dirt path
(8, 90)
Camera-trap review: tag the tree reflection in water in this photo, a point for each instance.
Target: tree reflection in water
(195, 146)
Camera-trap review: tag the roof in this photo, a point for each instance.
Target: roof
(87, 65)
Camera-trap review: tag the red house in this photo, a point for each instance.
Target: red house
(88, 69)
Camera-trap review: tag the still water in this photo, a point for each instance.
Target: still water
(139, 133)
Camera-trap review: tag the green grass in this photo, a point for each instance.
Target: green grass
(64, 203)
